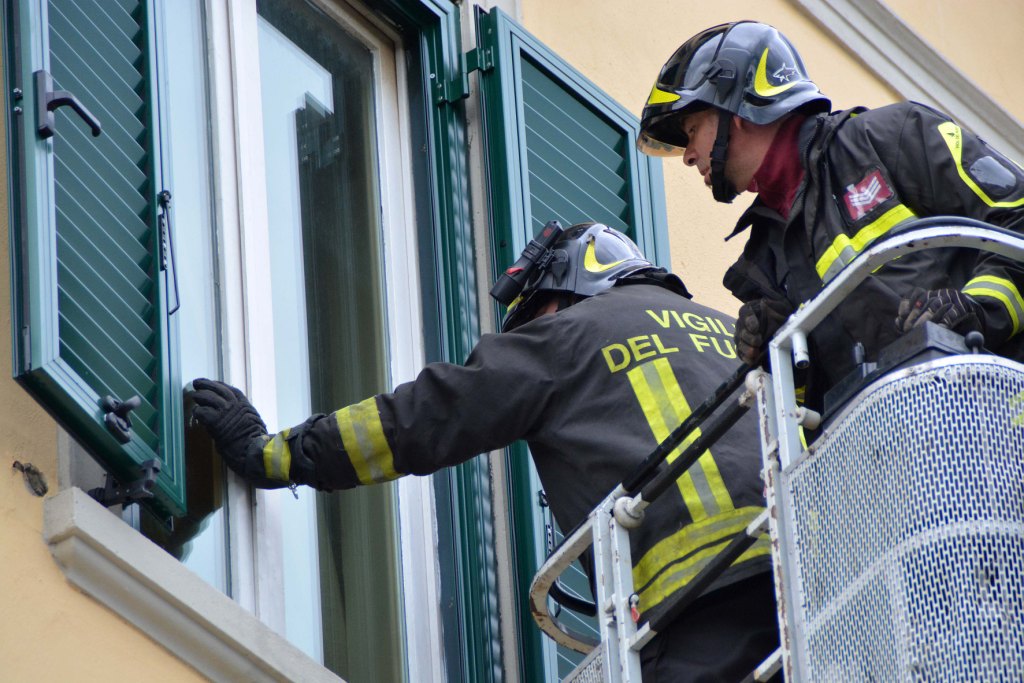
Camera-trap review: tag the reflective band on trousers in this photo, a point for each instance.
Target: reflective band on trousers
(1003, 291)
(844, 248)
(362, 434)
(674, 561)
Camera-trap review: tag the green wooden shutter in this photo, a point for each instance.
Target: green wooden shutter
(558, 148)
(90, 303)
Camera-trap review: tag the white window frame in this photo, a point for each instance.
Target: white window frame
(256, 557)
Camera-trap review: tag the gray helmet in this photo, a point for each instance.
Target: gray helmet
(582, 261)
(745, 68)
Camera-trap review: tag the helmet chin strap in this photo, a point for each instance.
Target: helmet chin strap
(721, 188)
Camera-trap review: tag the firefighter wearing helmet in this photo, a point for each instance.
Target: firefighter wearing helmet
(584, 261)
(736, 103)
(746, 69)
(600, 356)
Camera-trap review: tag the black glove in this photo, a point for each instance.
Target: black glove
(948, 307)
(756, 324)
(237, 429)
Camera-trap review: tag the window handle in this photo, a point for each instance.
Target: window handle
(48, 99)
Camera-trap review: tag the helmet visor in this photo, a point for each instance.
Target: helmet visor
(666, 136)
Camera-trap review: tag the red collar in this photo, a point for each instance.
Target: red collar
(779, 176)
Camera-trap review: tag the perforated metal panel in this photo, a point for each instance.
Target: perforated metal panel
(590, 670)
(906, 531)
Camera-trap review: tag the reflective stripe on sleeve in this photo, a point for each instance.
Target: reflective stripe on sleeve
(362, 434)
(953, 137)
(844, 248)
(674, 561)
(277, 457)
(1002, 290)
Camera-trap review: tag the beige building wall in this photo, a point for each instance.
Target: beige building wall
(982, 39)
(622, 45)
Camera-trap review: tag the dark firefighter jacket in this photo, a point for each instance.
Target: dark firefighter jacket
(867, 171)
(592, 389)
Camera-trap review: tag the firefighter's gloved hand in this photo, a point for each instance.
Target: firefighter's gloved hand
(950, 308)
(236, 427)
(756, 324)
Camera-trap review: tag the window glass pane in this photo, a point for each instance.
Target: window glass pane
(290, 78)
(189, 162)
(323, 196)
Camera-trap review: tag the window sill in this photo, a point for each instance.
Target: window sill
(110, 561)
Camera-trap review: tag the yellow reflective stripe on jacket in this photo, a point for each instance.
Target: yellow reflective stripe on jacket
(1002, 290)
(665, 408)
(845, 248)
(674, 561)
(362, 434)
(277, 457)
(953, 136)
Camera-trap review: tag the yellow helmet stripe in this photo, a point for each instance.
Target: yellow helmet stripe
(761, 85)
(659, 96)
(591, 263)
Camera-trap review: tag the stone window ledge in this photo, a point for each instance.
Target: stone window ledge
(108, 560)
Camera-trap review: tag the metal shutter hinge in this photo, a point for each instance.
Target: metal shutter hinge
(457, 88)
(113, 493)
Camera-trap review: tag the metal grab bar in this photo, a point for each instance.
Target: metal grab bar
(571, 547)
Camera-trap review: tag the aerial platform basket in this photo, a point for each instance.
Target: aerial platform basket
(899, 533)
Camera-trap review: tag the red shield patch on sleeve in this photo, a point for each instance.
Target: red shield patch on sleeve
(861, 198)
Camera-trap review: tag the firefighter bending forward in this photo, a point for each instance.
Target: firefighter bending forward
(600, 358)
